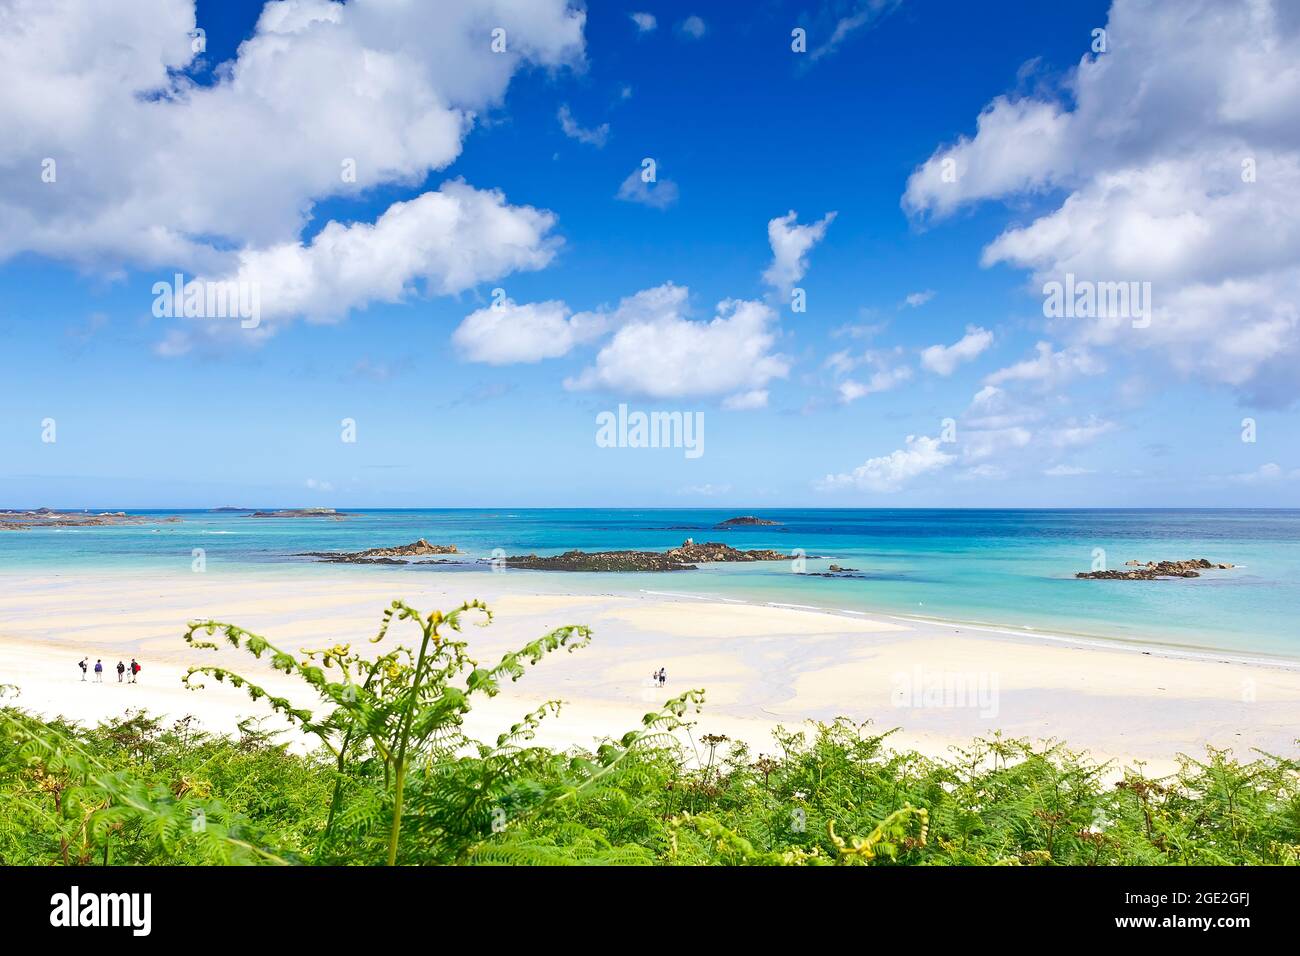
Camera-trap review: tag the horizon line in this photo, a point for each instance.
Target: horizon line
(745, 508)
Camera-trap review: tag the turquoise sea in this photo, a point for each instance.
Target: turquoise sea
(1005, 568)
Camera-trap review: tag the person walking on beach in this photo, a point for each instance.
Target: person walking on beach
(121, 669)
(99, 672)
(663, 676)
(82, 664)
(135, 669)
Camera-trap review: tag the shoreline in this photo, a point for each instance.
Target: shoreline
(1077, 638)
(761, 665)
(1181, 649)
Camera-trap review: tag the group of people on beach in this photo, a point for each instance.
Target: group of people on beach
(660, 677)
(122, 669)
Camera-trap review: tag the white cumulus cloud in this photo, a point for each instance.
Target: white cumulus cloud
(791, 243)
(324, 99)
(663, 354)
(451, 239)
(944, 359)
(510, 333)
(1178, 159)
(889, 473)
(882, 380)
(507, 333)
(1048, 368)
(440, 243)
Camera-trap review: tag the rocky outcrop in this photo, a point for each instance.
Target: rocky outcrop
(300, 513)
(47, 518)
(686, 557)
(415, 549)
(690, 552)
(745, 520)
(597, 561)
(1154, 570)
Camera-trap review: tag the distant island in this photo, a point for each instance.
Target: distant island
(300, 513)
(745, 520)
(48, 518)
(686, 557)
(395, 555)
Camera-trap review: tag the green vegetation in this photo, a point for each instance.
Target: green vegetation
(395, 780)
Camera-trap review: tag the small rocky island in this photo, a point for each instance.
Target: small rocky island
(1155, 570)
(48, 518)
(745, 521)
(686, 557)
(300, 513)
(397, 555)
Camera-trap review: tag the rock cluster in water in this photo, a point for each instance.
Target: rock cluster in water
(48, 518)
(395, 555)
(745, 520)
(683, 558)
(300, 513)
(1154, 570)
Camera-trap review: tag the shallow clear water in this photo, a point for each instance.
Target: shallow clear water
(1008, 568)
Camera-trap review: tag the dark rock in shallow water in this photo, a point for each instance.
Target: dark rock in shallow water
(835, 571)
(744, 520)
(683, 558)
(598, 561)
(383, 555)
(1154, 570)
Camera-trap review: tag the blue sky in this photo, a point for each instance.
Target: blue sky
(839, 405)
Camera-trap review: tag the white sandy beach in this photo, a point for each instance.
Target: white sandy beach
(761, 666)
